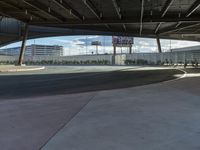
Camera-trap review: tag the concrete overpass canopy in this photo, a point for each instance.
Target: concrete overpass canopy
(11, 30)
(176, 19)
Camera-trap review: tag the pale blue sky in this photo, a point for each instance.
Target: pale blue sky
(74, 45)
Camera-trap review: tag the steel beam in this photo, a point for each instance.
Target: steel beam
(124, 27)
(10, 4)
(166, 7)
(92, 8)
(38, 16)
(174, 29)
(117, 9)
(4, 15)
(163, 13)
(64, 5)
(123, 21)
(157, 27)
(5, 34)
(193, 8)
(141, 16)
(21, 9)
(158, 44)
(39, 6)
(178, 24)
(23, 47)
(108, 26)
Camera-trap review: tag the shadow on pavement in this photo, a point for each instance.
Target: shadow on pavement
(23, 86)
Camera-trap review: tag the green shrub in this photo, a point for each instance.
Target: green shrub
(65, 62)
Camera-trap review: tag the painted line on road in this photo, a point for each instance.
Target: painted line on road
(181, 77)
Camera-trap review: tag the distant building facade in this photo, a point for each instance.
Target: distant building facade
(35, 50)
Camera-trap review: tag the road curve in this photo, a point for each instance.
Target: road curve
(154, 117)
(87, 118)
(24, 85)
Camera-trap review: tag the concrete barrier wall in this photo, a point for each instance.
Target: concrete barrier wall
(174, 57)
(7, 58)
(72, 58)
(150, 57)
(63, 58)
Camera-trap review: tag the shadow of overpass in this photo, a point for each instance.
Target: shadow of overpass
(22, 86)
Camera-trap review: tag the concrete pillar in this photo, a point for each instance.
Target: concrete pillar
(130, 49)
(158, 44)
(23, 46)
(114, 50)
(97, 50)
(114, 54)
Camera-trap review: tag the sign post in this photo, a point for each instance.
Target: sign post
(97, 44)
(121, 41)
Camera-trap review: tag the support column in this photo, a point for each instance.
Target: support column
(130, 49)
(114, 54)
(23, 46)
(158, 44)
(114, 50)
(97, 50)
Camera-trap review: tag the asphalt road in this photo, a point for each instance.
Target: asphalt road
(63, 79)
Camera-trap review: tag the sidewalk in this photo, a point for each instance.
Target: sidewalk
(162, 116)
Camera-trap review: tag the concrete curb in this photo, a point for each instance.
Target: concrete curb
(178, 78)
(22, 69)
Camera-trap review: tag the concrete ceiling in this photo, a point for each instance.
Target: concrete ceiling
(176, 19)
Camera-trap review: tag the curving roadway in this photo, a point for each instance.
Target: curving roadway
(163, 115)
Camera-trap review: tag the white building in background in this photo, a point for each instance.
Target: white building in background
(35, 50)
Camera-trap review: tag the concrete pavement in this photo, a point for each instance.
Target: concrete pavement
(156, 116)
(27, 124)
(164, 116)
